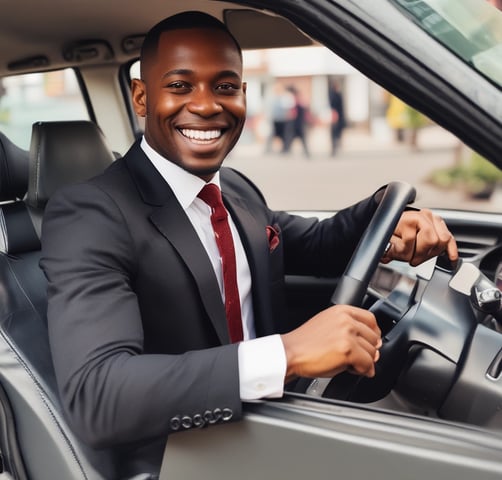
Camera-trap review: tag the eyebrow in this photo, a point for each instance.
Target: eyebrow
(186, 71)
(178, 71)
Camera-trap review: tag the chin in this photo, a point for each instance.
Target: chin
(205, 172)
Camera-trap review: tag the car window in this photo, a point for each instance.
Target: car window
(471, 29)
(380, 139)
(25, 99)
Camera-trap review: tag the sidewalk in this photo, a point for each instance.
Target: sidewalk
(363, 164)
(360, 141)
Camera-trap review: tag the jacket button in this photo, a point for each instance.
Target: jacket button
(227, 414)
(217, 414)
(209, 417)
(186, 422)
(175, 423)
(198, 421)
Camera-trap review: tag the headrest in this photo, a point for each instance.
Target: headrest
(14, 163)
(62, 153)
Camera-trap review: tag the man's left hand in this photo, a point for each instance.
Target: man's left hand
(420, 235)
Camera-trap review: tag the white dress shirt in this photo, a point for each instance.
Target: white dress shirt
(262, 361)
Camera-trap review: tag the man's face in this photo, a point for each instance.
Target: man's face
(193, 99)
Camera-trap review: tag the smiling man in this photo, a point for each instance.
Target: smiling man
(156, 324)
(192, 97)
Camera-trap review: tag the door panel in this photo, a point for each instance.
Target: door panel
(299, 438)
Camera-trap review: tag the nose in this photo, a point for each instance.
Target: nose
(204, 102)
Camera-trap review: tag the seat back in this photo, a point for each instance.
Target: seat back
(14, 163)
(61, 152)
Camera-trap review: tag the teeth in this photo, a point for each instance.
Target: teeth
(201, 134)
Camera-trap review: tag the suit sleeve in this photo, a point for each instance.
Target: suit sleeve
(112, 392)
(324, 248)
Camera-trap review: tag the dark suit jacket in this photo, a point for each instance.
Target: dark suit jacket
(136, 321)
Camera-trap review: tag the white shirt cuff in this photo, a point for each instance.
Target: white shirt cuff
(262, 368)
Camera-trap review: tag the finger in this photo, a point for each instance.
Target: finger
(371, 348)
(368, 335)
(364, 363)
(447, 240)
(360, 349)
(386, 256)
(419, 236)
(452, 250)
(433, 238)
(404, 238)
(402, 246)
(364, 317)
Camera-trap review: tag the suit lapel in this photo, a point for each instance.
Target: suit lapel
(172, 222)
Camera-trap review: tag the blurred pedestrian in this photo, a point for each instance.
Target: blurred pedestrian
(337, 115)
(301, 121)
(283, 113)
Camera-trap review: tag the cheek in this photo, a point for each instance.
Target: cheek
(163, 106)
(238, 108)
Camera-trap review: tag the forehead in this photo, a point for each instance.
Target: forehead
(198, 46)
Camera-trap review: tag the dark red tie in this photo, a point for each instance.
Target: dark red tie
(212, 196)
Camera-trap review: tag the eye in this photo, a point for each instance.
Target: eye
(179, 87)
(228, 88)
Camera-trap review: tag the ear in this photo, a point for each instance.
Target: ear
(138, 95)
(244, 86)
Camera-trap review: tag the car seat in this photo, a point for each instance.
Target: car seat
(14, 162)
(60, 152)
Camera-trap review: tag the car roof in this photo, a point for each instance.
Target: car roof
(52, 34)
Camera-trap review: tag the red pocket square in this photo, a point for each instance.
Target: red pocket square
(273, 237)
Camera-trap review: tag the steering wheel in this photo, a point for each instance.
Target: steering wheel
(438, 357)
(354, 282)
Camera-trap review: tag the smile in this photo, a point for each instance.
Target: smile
(201, 135)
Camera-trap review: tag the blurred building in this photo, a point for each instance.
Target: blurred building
(310, 70)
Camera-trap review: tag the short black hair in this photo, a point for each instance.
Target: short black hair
(183, 21)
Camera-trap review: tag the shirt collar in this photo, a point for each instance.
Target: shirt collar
(185, 185)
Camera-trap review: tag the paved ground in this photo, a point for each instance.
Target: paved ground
(363, 163)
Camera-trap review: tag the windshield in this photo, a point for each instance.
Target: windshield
(470, 28)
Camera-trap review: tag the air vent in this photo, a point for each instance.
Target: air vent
(469, 247)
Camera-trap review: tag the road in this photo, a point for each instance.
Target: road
(363, 164)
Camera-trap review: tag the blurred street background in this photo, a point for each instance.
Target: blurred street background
(363, 163)
(304, 104)
(319, 135)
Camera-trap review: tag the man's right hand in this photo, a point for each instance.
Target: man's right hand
(339, 338)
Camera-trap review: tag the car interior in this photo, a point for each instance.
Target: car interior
(36, 442)
(27, 375)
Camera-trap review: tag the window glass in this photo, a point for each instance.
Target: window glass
(25, 99)
(345, 137)
(470, 28)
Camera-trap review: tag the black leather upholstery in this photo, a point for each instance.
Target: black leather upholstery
(49, 449)
(17, 233)
(62, 153)
(13, 170)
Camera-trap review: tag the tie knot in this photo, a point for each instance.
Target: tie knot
(211, 195)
